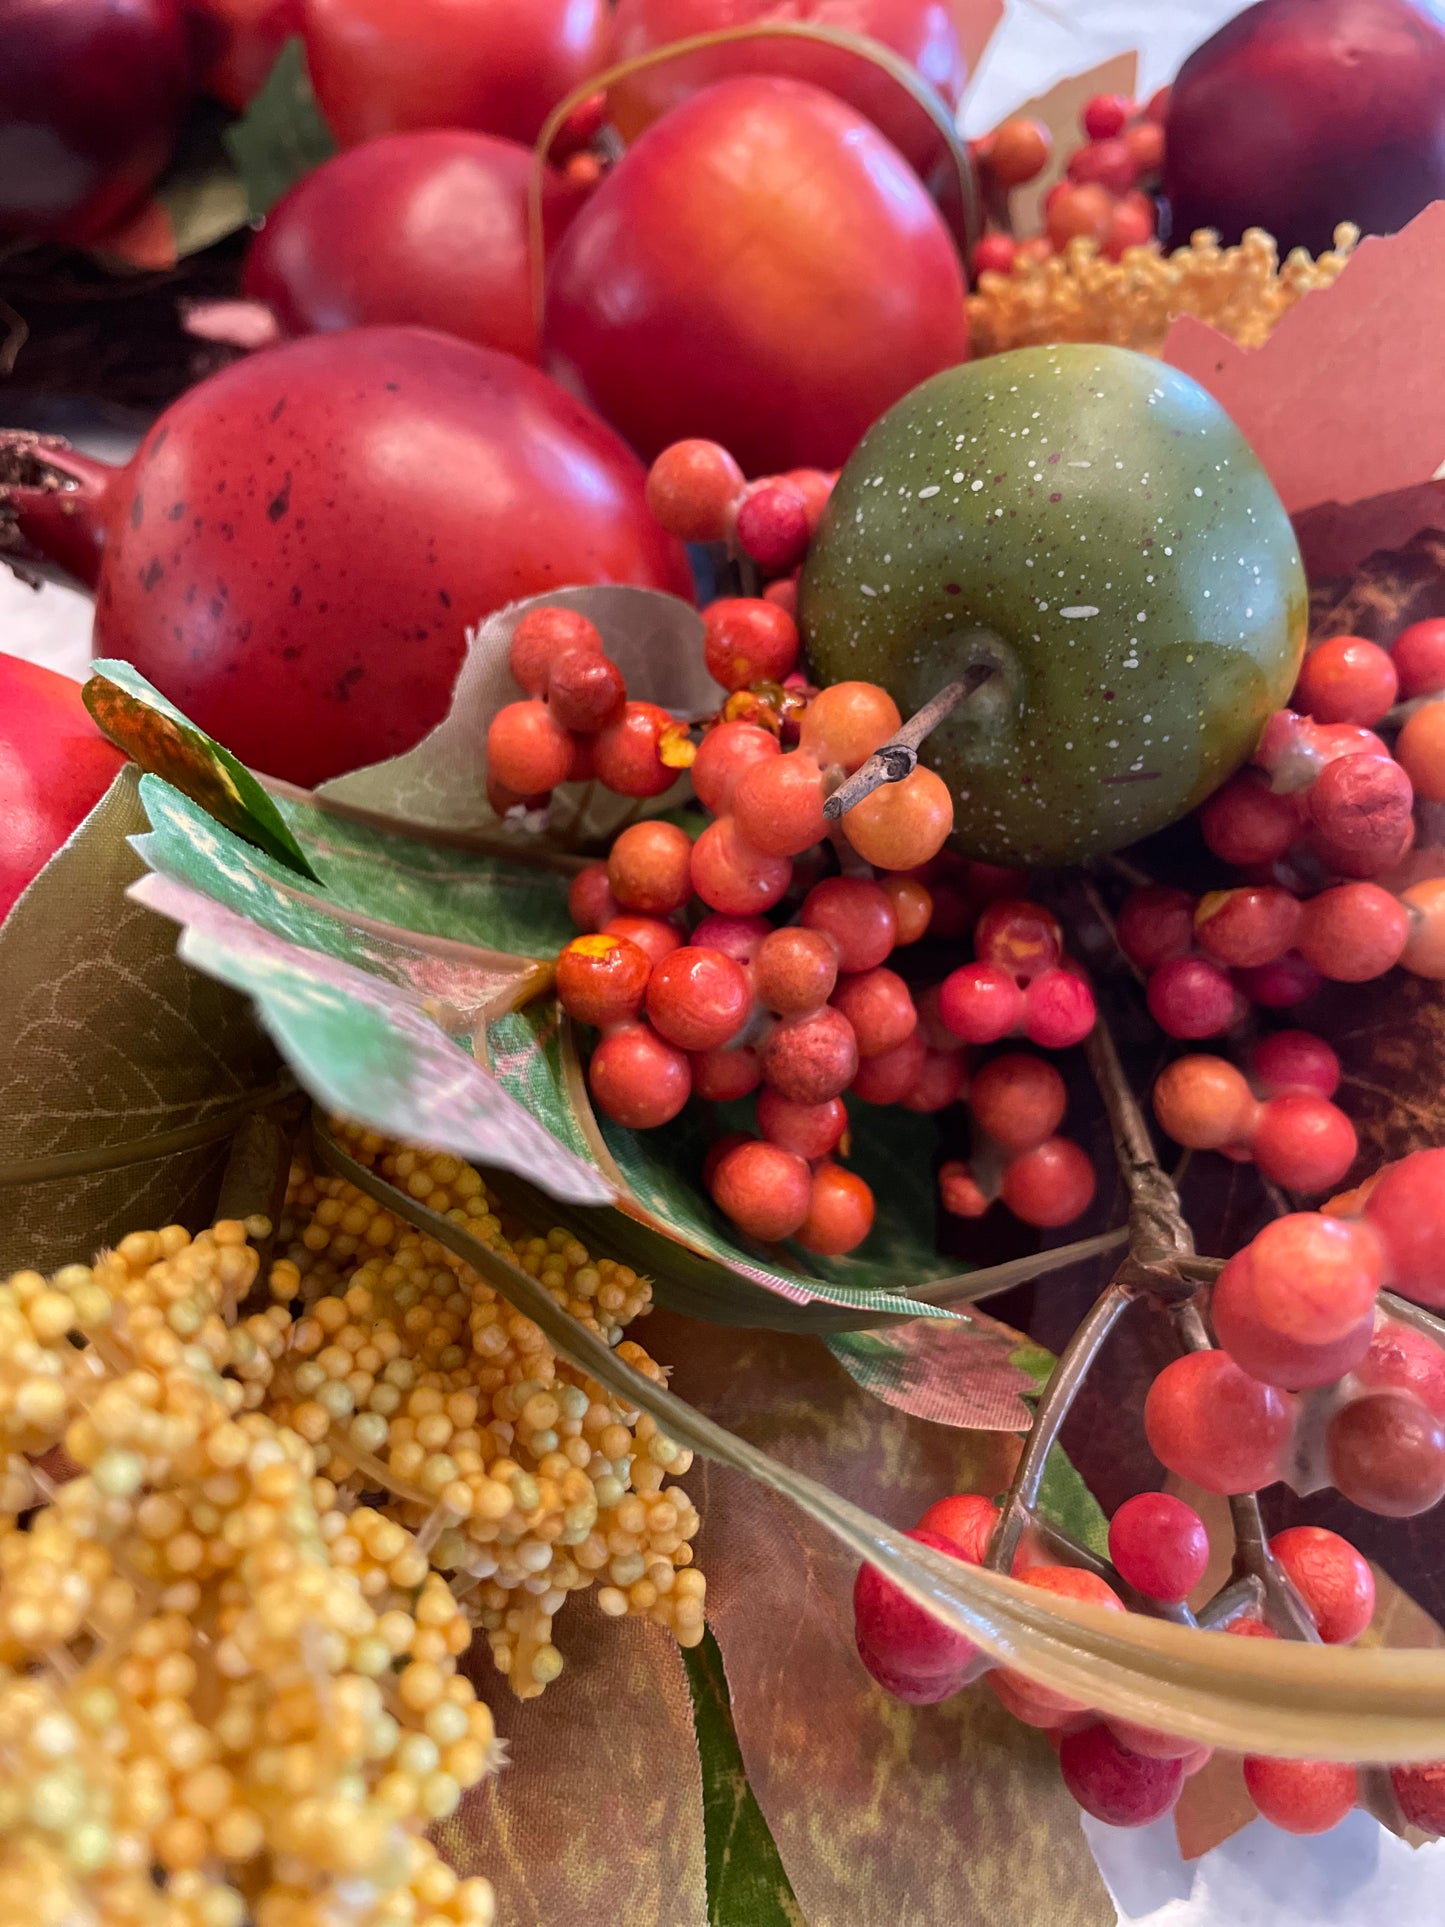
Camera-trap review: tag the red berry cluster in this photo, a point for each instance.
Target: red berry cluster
(1314, 1382)
(576, 724)
(1107, 190)
(696, 492)
(1125, 1774)
(1280, 1116)
(1020, 983)
(782, 986)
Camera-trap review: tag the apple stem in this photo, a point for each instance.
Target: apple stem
(898, 757)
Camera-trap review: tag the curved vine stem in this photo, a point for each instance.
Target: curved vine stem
(1161, 1265)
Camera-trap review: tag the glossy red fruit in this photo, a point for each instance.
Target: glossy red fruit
(54, 768)
(762, 268)
(966, 1520)
(762, 1188)
(327, 518)
(238, 41)
(1300, 114)
(385, 66)
(1121, 1788)
(427, 229)
(1334, 1580)
(903, 1637)
(91, 98)
(637, 1078)
(1301, 1796)
(924, 32)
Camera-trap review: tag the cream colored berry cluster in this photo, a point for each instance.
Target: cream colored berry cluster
(1079, 295)
(243, 1552)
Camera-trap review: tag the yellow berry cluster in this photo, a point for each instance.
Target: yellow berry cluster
(523, 1477)
(1078, 295)
(243, 1550)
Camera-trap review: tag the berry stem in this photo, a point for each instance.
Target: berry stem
(898, 757)
(1077, 1356)
(1159, 1237)
(1284, 1611)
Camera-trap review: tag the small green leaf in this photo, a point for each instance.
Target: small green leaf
(154, 734)
(746, 1882)
(378, 1020)
(200, 190)
(282, 135)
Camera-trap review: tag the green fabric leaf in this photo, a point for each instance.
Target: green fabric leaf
(378, 1020)
(201, 190)
(283, 134)
(123, 1075)
(154, 734)
(746, 1883)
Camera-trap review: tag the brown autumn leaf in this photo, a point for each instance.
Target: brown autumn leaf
(598, 1814)
(881, 1778)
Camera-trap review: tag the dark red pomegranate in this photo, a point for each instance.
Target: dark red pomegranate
(1300, 114)
(91, 97)
(429, 228)
(296, 549)
(761, 267)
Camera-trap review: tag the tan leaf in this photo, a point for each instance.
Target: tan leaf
(598, 1816)
(913, 1815)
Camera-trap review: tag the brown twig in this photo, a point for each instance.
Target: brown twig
(898, 757)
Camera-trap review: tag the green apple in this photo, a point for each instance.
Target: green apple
(1089, 525)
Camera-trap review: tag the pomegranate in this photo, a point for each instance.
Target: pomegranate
(923, 32)
(298, 545)
(239, 41)
(54, 768)
(1300, 114)
(498, 66)
(430, 228)
(91, 98)
(762, 267)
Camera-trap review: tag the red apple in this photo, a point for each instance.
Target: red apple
(497, 66)
(761, 268)
(1300, 114)
(429, 228)
(923, 32)
(54, 768)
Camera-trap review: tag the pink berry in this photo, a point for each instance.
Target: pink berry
(966, 1520)
(1354, 932)
(1120, 1788)
(1301, 1796)
(1209, 1422)
(1191, 997)
(1280, 985)
(1159, 1546)
(1303, 1142)
(899, 1636)
(762, 1188)
(980, 1002)
(1294, 1060)
(1419, 658)
(1333, 1580)
(1346, 680)
(772, 526)
(1059, 1010)
(1156, 923)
